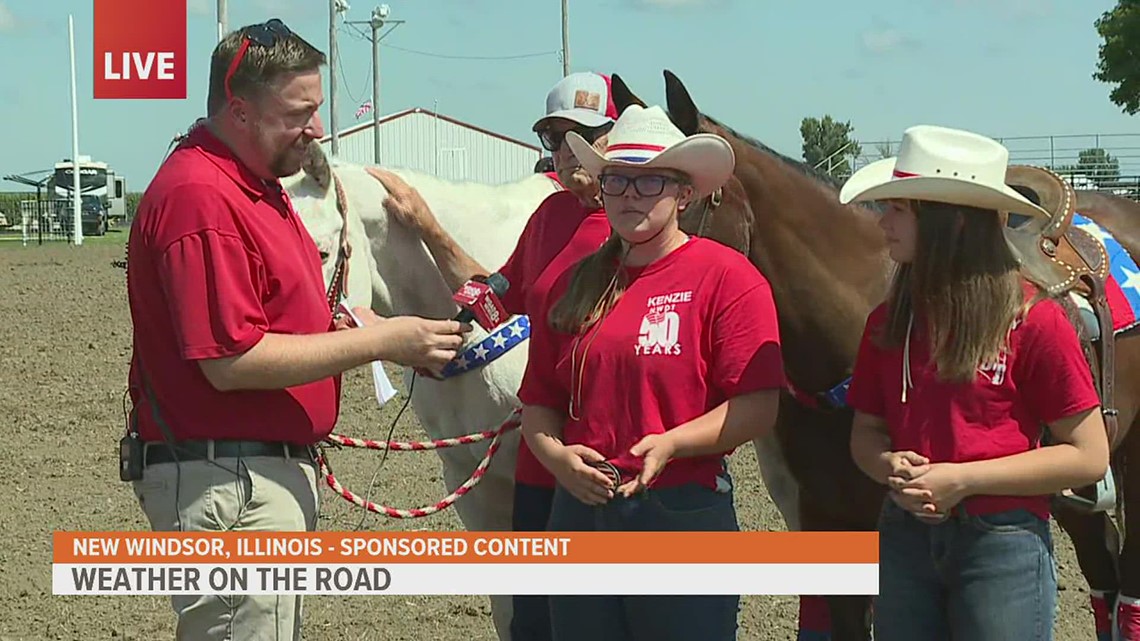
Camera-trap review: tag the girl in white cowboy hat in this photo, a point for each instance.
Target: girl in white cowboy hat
(650, 361)
(957, 373)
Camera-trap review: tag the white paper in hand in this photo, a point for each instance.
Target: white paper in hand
(384, 389)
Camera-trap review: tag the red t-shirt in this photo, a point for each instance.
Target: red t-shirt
(559, 234)
(217, 258)
(692, 330)
(1042, 377)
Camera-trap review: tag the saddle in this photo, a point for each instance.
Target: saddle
(1070, 252)
(1069, 260)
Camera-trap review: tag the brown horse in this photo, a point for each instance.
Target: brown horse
(1109, 564)
(828, 267)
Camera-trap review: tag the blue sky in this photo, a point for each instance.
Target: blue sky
(1000, 67)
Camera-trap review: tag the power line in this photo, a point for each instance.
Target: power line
(360, 35)
(340, 64)
(536, 54)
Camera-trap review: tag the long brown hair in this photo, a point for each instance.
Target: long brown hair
(596, 285)
(965, 285)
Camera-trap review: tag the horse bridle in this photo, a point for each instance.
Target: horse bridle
(708, 205)
(338, 285)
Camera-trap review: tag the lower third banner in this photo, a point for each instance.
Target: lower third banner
(465, 563)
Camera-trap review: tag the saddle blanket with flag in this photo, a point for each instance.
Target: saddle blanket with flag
(1123, 286)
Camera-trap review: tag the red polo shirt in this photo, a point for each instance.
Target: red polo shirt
(560, 233)
(692, 330)
(1042, 378)
(217, 258)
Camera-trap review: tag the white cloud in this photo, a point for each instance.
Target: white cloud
(886, 40)
(7, 20)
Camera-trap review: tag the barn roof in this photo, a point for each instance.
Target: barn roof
(417, 110)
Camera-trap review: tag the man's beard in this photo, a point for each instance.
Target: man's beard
(283, 164)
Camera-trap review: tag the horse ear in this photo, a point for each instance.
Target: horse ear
(623, 97)
(682, 110)
(316, 165)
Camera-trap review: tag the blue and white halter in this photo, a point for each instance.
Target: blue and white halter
(496, 344)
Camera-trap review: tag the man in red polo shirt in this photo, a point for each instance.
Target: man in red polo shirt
(236, 370)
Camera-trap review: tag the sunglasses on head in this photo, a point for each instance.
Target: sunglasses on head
(552, 140)
(265, 34)
(645, 184)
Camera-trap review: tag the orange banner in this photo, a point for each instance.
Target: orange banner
(465, 547)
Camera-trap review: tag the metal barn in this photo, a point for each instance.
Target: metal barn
(445, 147)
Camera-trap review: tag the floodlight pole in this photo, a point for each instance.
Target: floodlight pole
(76, 218)
(377, 21)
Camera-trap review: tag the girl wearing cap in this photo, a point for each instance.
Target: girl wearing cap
(651, 360)
(958, 373)
(568, 225)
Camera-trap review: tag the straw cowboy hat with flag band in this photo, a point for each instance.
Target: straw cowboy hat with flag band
(645, 137)
(943, 165)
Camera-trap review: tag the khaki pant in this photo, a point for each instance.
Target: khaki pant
(232, 494)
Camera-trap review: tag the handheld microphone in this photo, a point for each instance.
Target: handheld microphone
(479, 301)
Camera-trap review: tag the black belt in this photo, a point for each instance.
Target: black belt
(159, 452)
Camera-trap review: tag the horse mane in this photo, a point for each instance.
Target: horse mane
(800, 166)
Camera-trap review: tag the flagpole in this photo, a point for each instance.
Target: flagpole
(76, 218)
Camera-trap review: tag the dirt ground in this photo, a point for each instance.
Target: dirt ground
(64, 337)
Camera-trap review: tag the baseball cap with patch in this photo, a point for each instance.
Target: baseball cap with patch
(582, 97)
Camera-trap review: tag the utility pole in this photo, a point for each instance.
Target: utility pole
(223, 21)
(565, 38)
(333, 66)
(377, 21)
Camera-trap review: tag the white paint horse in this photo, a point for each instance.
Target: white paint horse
(391, 271)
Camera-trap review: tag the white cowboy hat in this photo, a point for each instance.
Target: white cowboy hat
(943, 165)
(645, 137)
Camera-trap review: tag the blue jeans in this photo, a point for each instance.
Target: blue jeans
(982, 578)
(530, 620)
(651, 617)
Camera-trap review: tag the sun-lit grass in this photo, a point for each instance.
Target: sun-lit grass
(12, 239)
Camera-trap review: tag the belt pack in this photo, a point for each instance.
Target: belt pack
(130, 458)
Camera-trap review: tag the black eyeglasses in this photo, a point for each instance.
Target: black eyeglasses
(645, 184)
(265, 34)
(552, 140)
